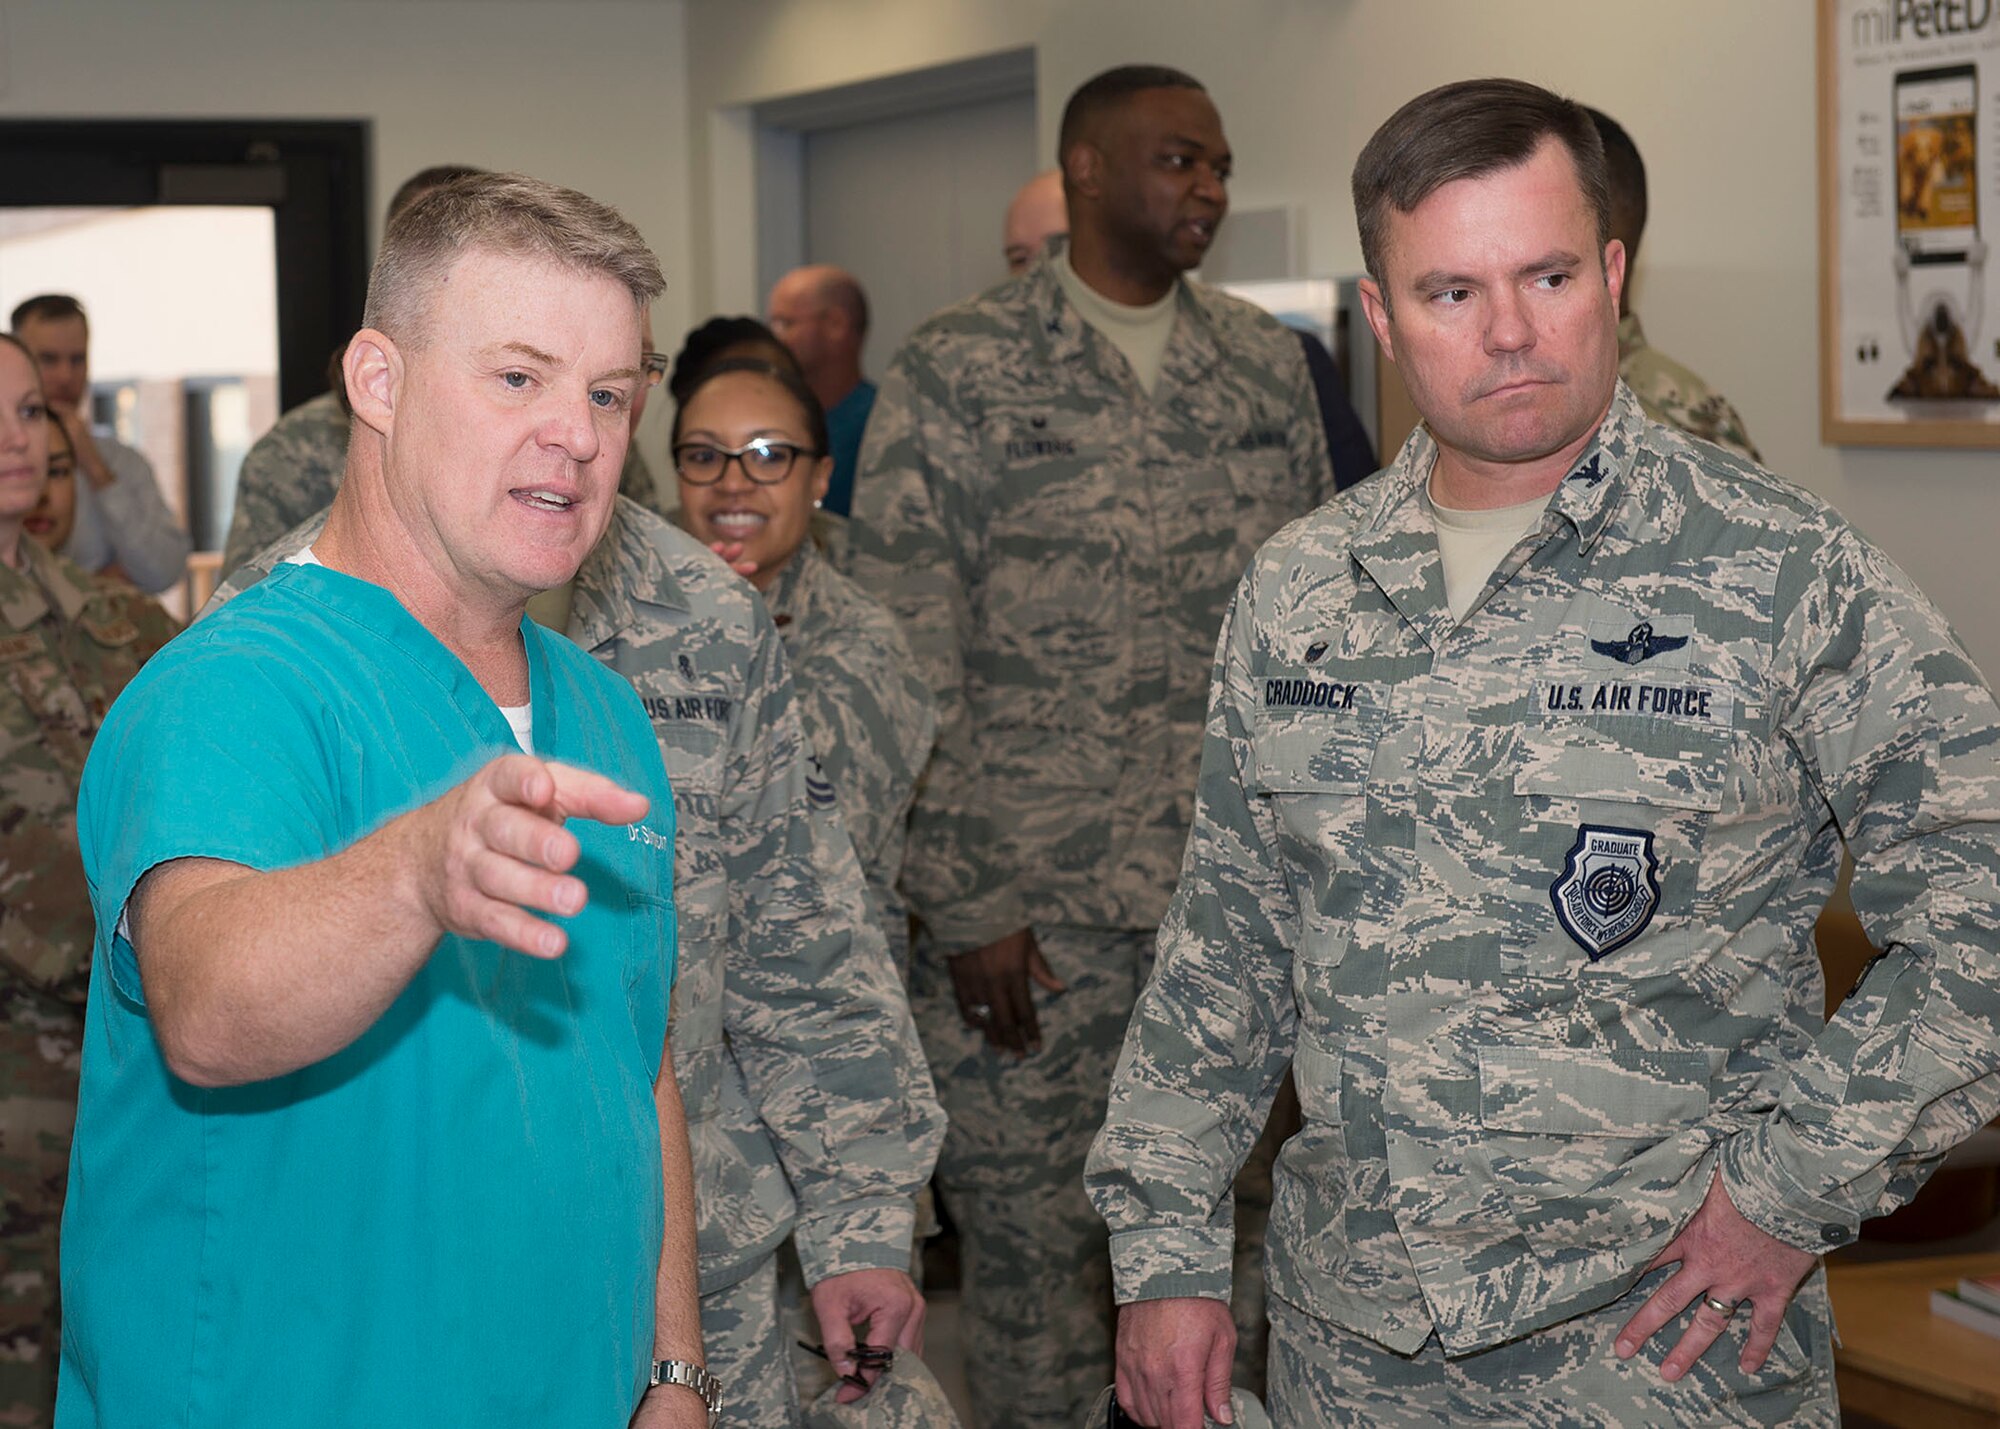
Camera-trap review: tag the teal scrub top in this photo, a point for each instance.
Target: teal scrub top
(454, 1220)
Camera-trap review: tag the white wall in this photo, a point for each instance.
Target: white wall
(1719, 95)
(218, 317)
(586, 93)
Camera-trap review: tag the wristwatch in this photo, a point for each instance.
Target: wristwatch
(694, 1377)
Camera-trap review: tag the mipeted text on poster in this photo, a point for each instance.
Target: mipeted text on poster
(1909, 140)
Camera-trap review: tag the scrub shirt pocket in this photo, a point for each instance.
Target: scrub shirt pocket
(1612, 827)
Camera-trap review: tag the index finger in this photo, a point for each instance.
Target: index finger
(580, 794)
(837, 1339)
(520, 779)
(1185, 1401)
(1669, 1298)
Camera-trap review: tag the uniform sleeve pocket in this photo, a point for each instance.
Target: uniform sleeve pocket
(1669, 768)
(1565, 1091)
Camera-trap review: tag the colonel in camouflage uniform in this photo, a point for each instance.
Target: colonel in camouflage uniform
(1523, 890)
(810, 1110)
(68, 645)
(1058, 536)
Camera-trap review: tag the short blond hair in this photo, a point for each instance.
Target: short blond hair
(508, 214)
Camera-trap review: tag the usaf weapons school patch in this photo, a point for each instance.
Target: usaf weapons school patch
(1609, 888)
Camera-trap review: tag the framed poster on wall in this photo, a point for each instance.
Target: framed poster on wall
(1909, 196)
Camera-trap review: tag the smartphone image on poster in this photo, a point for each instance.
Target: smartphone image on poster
(1937, 190)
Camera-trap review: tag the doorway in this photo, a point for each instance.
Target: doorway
(903, 180)
(912, 206)
(220, 262)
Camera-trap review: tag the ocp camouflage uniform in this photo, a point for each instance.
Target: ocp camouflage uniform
(291, 473)
(68, 644)
(809, 1108)
(868, 714)
(1059, 548)
(1673, 394)
(1526, 903)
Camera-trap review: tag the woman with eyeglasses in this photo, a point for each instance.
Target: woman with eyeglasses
(68, 645)
(750, 449)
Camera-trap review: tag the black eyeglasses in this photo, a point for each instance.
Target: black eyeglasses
(655, 365)
(766, 463)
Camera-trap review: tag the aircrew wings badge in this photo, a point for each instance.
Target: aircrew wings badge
(1609, 888)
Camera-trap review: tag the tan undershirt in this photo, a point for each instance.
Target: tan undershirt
(1473, 543)
(1140, 333)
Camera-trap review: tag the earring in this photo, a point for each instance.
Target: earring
(818, 504)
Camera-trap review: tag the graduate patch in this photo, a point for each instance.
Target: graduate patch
(1609, 888)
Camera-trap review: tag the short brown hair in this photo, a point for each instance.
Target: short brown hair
(47, 308)
(1468, 130)
(508, 214)
(422, 182)
(1625, 172)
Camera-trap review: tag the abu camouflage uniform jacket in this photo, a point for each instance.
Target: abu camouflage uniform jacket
(868, 714)
(293, 470)
(1527, 902)
(1673, 394)
(809, 1106)
(1059, 548)
(68, 644)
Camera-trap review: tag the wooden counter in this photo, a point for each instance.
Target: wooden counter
(1900, 1363)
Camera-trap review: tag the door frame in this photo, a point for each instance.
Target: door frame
(312, 174)
(757, 160)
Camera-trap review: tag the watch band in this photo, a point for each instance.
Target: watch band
(690, 1376)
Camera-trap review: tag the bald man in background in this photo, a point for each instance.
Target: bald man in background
(1036, 215)
(820, 313)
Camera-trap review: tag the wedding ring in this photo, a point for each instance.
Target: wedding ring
(1721, 1307)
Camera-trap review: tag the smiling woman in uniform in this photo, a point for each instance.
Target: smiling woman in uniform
(750, 449)
(68, 645)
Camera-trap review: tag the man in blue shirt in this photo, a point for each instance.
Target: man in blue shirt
(820, 314)
(377, 1122)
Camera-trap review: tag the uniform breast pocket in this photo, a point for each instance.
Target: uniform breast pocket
(693, 756)
(1261, 480)
(1612, 828)
(1053, 600)
(1313, 766)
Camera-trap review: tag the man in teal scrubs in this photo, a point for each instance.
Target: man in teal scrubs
(377, 1121)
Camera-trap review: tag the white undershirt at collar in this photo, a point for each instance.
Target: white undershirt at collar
(520, 718)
